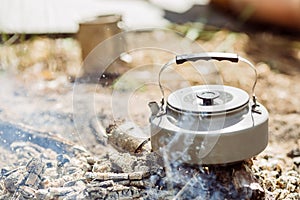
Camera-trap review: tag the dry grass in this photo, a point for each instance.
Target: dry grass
(50, 55)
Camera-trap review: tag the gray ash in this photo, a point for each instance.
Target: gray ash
(205, 182)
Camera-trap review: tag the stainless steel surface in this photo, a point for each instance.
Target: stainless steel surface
(186, 100)
(233, 143)
(209, 124)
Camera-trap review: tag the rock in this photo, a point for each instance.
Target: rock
(294, 153)
(90, 160)
(296, 161)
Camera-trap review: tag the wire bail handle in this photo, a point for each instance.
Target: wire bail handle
(219, 56)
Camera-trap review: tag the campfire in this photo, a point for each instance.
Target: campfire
(50, 151)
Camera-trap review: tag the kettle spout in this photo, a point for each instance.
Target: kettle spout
(154, 108)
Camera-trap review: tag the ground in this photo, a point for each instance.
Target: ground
(38, 75)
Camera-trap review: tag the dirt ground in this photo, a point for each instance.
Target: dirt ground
(37, 90)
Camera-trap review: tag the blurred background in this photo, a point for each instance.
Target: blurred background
(45, 31)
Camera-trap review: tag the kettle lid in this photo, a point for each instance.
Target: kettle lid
(208, 99)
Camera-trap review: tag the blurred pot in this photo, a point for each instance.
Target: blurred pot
(93, 32)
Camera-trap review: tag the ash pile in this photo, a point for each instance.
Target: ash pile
(75, 173)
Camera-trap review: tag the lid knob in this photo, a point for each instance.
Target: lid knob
(208, 97)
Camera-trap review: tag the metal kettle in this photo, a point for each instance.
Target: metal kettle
(209, 124)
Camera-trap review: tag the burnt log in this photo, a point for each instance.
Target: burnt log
(122, 140)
